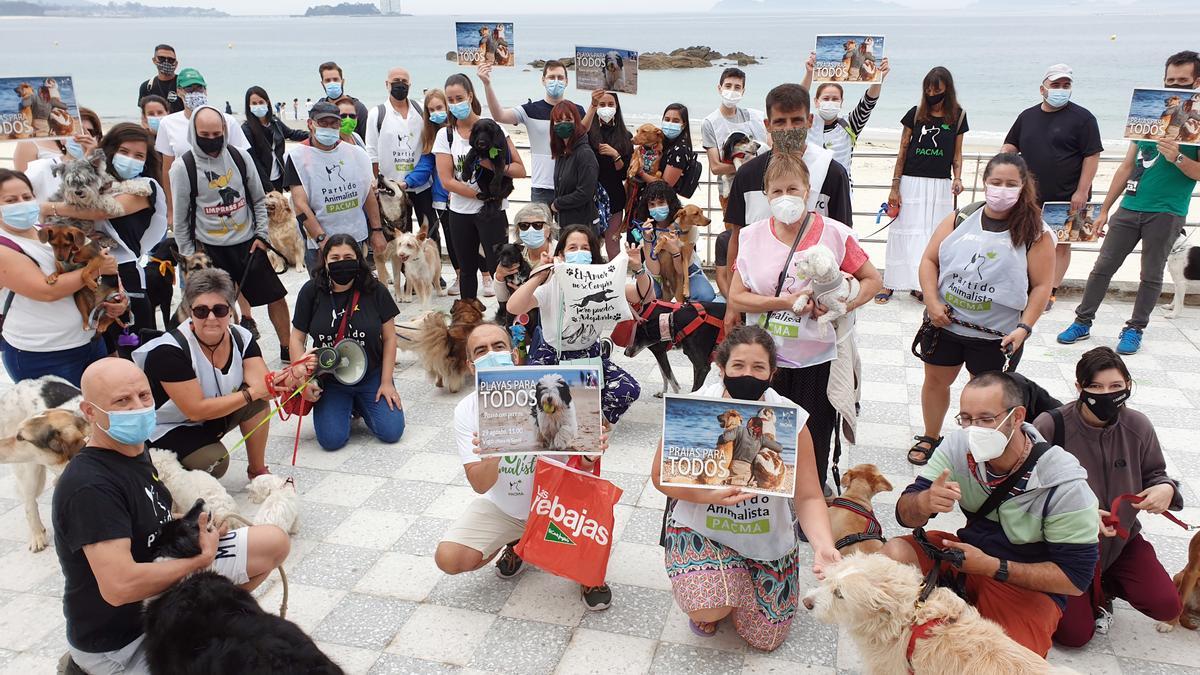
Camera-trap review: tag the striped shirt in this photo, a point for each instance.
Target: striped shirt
(841, 135)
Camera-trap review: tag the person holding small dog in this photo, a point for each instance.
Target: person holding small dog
(436, 112)
(728, 118)
(655, 214)
(109, 507)
(1119, 450)
(575, 168)
(268, 137)
(533, 226)
(1031, 535)
(752, 576)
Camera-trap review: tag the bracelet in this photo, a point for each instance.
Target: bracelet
(246, 395)
(376, 229)
(1027, 327)
(896, 179)
(676, 255)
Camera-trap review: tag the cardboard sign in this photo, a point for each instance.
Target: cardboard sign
(848, 58)
(1164, 115)
(38, 107)
(606, 68)
(717, 443)
(1071, 226)
(534, 410)
(590, 302)
(479, 42)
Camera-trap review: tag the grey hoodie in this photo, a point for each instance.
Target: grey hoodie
(222, 216)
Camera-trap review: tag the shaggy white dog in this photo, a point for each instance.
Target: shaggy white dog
(187, 486)
(829, 287)
(280, 503)
(554, 413)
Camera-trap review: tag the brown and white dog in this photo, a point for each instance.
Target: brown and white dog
(1188, 583)
(394, 210)
(442, 347)
(1184, 265)
(686, 226)
(768, 470)
(74, 250)
(39, 430)
(284, 232)
(647, 151)
(862, 482)
(417, 256)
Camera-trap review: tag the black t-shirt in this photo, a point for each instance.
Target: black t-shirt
(612, 178)
(835, 191)
(319, 314)
(1054, 145)
(168, 363)
(130, 228)
(104, 495)
(721, 252)
(163, 88)
(930, 151)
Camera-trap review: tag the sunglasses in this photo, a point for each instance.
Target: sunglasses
(202, 311)
(535, 224)
(350, 116)
(167, 60)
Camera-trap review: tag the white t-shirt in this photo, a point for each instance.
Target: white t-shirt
(40, 173)
(37, 326)
(535, 115)
(514, 487)
(338, 182)
(716, 127)
(396, 146)
(458, 152)
(173, 138)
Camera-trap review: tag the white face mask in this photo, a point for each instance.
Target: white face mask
(788, 209)
(730, 98)
(986, 443)
(829, 110)
(606, 114)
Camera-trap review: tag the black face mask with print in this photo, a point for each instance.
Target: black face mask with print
(1106, 407)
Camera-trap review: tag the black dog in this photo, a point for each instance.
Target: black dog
(488, 142)
(205, 624)
(160, 279)
(698, 346)
(508, 255)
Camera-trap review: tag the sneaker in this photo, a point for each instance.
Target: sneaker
(509, 564)
(249, 324)
(1104, 619)
(596, 598)
(489, 290)
(1074, 333)
(1129, 341)
(285, 356)
(453, 289)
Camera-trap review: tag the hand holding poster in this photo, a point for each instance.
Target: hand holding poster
(715, 443)
(848, 58)
(590, 301)
(1164, 115)
(38, 107)
(533, 410)
(607, 69)
(1069, 226)
(485, 42)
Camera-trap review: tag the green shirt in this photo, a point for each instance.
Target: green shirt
(1157, 185)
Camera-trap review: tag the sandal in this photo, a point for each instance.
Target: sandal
(697, 628)
(883, 297)
(918, 295)
(922, 453)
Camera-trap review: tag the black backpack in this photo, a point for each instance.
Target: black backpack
(690, 180)
(189, 163)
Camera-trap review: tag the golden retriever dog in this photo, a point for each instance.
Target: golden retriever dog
(25, 130)
(1188, 583)
(687, 224)
(861, 483)
(875, 599)
(442, 348)
(729, 420)
(647, 151)
(284, 232)
(418, 257)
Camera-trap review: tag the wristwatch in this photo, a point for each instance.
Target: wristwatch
(1001, 574)
(319, 238)
(1179, 159)
(1027, 327)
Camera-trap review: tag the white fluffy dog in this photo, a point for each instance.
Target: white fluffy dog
(829, 286)
(554, 413)
(280, 503)
(767, 415)
(187, 486)
(875, 599)
(614, 71)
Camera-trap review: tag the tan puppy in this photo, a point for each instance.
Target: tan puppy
(862, 482)
(647, 151)
(1188, 583)
(687, 225)
(421, 262)
(284, 232)
(729, 420)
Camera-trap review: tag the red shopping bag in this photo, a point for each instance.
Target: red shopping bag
(569, 530)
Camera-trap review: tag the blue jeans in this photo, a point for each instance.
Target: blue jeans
(541, 195)
(331, 414)
(701, 289)
(68, 364)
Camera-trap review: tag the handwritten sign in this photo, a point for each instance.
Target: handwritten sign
(591, 301)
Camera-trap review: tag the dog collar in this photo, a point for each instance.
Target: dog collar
(920, 631)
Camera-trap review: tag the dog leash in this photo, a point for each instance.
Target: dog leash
(1113, 520)
(283, 604)
(927, 328)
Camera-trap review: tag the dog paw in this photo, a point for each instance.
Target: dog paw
(38, 541)
(1164, 627)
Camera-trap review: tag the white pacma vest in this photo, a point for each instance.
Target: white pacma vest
(983, 277)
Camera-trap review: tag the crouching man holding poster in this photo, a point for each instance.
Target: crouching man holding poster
(496, 520)
(730, 551)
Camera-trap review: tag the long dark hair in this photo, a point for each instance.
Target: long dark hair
(128, 131)
(559, 147)
(257, 131)
(615, 134)
(653, 192)
(939, 75)
(12, 174)
(685, 134)
(593, 242)
(465, 82)
(364, 281)
(1025, 218)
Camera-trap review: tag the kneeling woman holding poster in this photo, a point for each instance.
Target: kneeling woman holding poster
(581, 298)
(731, 551)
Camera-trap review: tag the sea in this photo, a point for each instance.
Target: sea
(692, 423)
(997, 61)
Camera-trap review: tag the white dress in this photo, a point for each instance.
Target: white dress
(924, 202)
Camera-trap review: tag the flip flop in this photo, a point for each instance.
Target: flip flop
(918, 295)
(883, 298)
(700, 631)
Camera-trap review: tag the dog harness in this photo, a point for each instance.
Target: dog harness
(920, 631)
(874, 531)
(670, 331)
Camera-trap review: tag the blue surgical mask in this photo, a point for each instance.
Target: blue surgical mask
(494, 360)
(1057, 98)
(438, 117)
(660, 213)
(21, 215)
(579, 257)
(153, 123)
(672, 129)
(333, 89)
(74, 149)
(556, 88)
(460, 110)
(533, 238)
(259, 111)
(129, 427)
(127, 167)
(326, 136)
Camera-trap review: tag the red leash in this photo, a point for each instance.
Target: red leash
(1113, 520)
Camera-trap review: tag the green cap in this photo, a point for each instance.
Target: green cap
(189, 77)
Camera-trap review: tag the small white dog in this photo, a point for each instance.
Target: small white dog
(829, 286)
(280, 503)
(554, 413)
(187, 486)
(1184, 265)
(875, 599)
(767, 415)
(418, 257)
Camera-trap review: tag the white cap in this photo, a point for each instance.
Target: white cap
(1057, 72)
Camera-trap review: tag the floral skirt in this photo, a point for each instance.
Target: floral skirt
(705, 575)
(620, 389)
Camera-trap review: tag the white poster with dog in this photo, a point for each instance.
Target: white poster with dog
(717, 443)
(534, 410)
(606, 68)
(480, 42)
(38, 107)
(1071, 225)
(848, 58)
(1164, 115)
(589, 300)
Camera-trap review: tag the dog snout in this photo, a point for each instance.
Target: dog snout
(808, 603)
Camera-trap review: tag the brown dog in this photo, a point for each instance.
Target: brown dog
(443, 348)
(647, 151)
(687, 224)
(768, 470)
(1188, 583)
(74, 251)
(284, 232)
(729, 420)
(861, 483)
(188, 264)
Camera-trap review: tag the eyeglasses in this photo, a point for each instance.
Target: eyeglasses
(202, 311)
(167, 60)
(965, 421)
(349, 116)
(535, 224)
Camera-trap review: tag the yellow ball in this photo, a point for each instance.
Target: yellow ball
(1113, 37)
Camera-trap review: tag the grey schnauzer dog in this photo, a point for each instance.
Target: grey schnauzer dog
(87, 185)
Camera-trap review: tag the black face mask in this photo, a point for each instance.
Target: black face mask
(399, 91)
(935, 98)
(1106, 407)
(343, 271)
(210, 146)
(746, 387)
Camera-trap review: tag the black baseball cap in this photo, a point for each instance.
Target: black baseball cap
(324, 110)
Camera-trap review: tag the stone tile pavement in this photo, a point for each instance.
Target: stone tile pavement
(363, 582)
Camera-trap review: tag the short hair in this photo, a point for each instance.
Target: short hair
(210, 280)
(826, 85)
(736, 73)
(788, 96)
(1184, 58)
(746, 335)
(165, 47)
(1010, 390)
(493, 324)
(1094, 361)
(12, 174)
(539, 212)
(784, 164)
(329, 65)
(553, 63)
(593, 242)
(153, 98)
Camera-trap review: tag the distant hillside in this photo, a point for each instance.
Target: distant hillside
(344, 9)
(82, 8)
